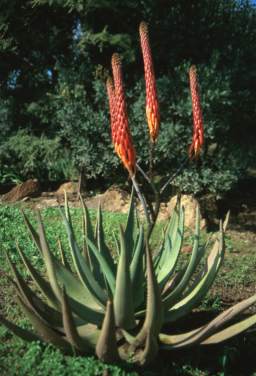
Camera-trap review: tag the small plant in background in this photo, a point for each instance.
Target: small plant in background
(120, 310)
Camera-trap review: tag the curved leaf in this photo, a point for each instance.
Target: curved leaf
(44, 331)
(172, 298)
(123, 299)
(64, 277)
(171, 250)
(107, 271)
(213, 263)
(24, 334)
(106, 348)
(82, 267)
(70, 328)
(137, 271)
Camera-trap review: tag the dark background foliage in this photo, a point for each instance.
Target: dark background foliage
(54, 59)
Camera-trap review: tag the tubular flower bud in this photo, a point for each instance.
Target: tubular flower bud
(111, 101)
(198, 130)
(152, 108)
(120, 129)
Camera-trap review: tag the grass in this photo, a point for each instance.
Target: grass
(235, 281)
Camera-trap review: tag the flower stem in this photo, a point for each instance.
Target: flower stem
(156, 193)
(151, 158)
(142, 200)
(173, 176)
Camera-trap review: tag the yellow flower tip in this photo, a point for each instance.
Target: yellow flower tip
(116, 60)
(153, 123)
(195, 149)
(109, 82)
(192, 68)
(143, 29)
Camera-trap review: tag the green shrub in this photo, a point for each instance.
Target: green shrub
(24, 155)
(84, 127)
(82, 138)
(83, 120)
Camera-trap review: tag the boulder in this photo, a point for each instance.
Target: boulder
(47, 203)
(114, 199)
(70, 188)
(189, 203)
(30, 188)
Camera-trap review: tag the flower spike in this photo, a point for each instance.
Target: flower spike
(120, 129)
(112, 109)
(198, 133)
(152, 108)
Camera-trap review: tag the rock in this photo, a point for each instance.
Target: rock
(70, 188)
(47, 203)
(189, 203)
(114, 199)
(29, 188)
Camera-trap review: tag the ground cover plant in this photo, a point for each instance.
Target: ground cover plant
(118, 303)
(235, 281)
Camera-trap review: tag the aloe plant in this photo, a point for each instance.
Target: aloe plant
(118, 310)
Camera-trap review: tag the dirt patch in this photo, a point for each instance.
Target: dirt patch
(29, 188)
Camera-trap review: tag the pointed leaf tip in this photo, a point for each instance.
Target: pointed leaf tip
(106, 348)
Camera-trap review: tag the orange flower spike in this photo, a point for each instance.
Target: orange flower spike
(111, 101)
(121, 134)
(152, 108)
(198, 133)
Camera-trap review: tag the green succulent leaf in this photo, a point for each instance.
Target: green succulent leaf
(169, 237)
(44, 331)
(106, 348)
(220, 321)
(32, 231)
(106, 269)
(63, 256)
(82, 310)
(123, 299)
(153, 315)
(40, 282)
(45, 312)
(24, 334)
(64, 277)
(72, 334)
(211, 333)
(102, 247)
(171, 250)
(187, 303)
(82, 268)
(137, 270)
(146, 356)
(174, 296)
(131, 231)
(87, 233)
(231, 331)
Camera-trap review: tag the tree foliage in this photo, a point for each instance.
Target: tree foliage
(54, 59)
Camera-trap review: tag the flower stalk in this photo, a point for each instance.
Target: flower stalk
(121, 136)
(198, 131)
(152, 108)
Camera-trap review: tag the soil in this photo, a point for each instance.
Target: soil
(29, 188)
